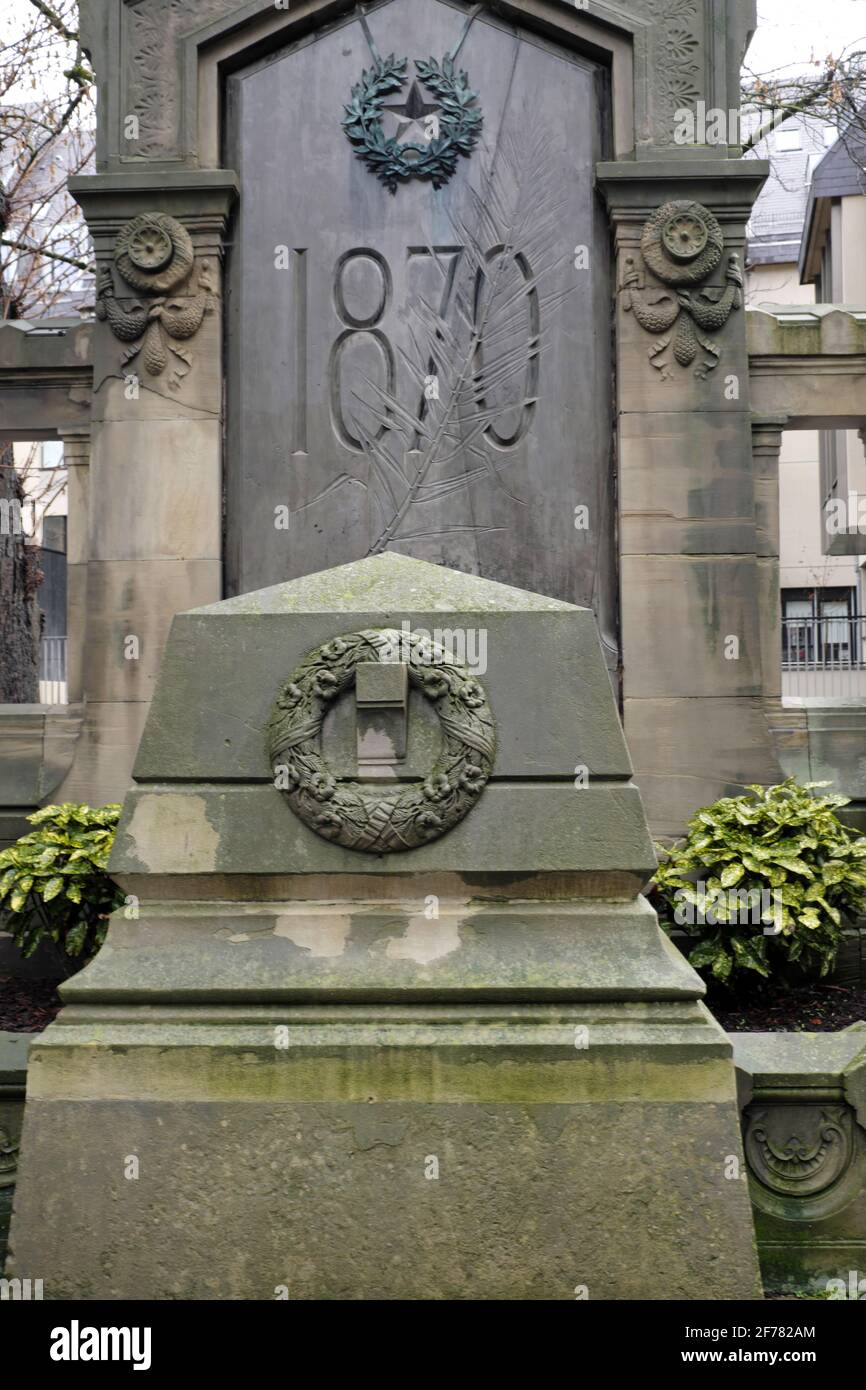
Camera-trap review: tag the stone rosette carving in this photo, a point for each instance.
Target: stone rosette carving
(799, 1151)
(682, 245)
(375, 819)
(154, 255)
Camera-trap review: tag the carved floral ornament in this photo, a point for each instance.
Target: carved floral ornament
(802, 1154)
(682, 245)
(366, 817)
(154, 255)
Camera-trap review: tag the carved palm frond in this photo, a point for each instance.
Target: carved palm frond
(481, 348)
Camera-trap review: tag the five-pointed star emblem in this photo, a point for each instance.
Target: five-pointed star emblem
(410, 115)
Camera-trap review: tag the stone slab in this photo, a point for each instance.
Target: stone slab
(384, 952)
(222, 675)
(202, 828)
(677, 613)
(159, 489)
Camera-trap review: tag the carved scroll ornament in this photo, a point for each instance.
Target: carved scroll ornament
(682, 244)
(154, 255)
(372, 818)
(799, 1150)
(8, 1159)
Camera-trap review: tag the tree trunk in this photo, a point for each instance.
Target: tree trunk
(19, 577)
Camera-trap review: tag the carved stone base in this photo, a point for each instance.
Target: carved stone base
(473, 1068)
(398, 1125)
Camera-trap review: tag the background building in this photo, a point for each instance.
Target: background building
(806, 242)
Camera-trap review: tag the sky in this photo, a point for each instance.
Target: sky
(793, 31)
(789, 32)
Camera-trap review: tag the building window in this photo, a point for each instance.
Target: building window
(821, 629)
(52, 453)
(787, 141)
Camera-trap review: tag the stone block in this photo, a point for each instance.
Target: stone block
(130, 607)
(309, 1167)
(679, 768)
(678, 614)
(13, 1074)
(159, 488)
(804, 1129)
(678, 495)
(106, 752)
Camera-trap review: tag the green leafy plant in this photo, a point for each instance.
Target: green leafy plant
(53, 881)
(762, 881)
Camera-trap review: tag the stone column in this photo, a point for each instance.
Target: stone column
(788, 725)
(689, 552)
(766, 447)
(156, 467)
(76, 458)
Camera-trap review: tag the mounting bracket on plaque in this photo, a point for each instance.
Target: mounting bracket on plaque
(382, 709)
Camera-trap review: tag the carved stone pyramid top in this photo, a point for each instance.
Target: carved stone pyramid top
(389, 583)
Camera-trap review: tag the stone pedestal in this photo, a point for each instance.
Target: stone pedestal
(470, 1068)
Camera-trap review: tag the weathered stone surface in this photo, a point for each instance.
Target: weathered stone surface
(808, 363)
(110, 734)
(677, 499)
(249, 830)
(557, 1166)
(159, 498)
(492, 624)
(133, 602)
(706, 602)
(294, 952)
(46, 373)
(377, 1080)
(804, 1120)
(676, 759)
(13, 1075)
(37, 744)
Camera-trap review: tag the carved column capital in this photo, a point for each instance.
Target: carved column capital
(159, 242)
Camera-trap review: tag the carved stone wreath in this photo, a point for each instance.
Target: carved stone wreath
(459, 122)
(682, 244)
(153, 252)
(154, 255)
(371, 818)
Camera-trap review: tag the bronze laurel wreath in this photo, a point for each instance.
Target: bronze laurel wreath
(460, 121)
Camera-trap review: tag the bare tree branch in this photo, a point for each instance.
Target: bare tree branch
(55, 21)
(48, 254)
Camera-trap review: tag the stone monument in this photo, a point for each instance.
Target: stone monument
(385, 1014)
(323, 229)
